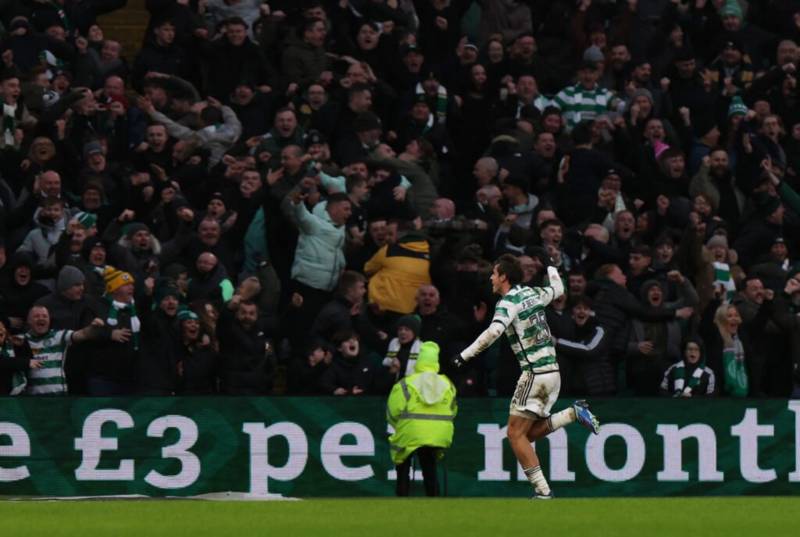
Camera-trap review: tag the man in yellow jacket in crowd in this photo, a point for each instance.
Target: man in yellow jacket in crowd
(421, 408)
(396, 271)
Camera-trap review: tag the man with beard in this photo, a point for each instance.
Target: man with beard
(617, 68)
(246, 351)
(716, 180)
(641, 78)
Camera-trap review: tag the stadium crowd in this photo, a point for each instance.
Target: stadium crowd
(288, 197)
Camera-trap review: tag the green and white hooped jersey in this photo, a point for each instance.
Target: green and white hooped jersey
(49, 350)
(522, 312)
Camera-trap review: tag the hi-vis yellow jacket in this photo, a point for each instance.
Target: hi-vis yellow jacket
(422, 407)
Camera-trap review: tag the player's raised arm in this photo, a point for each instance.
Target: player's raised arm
(555, 289)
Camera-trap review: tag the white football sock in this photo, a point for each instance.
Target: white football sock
(536, 477)
(560, 419)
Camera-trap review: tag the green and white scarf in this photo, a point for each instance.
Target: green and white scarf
(441, 102)
(19, 380)
(113, 321)
(680, 378)
(394, 348)
(9, 124)
(722, 276)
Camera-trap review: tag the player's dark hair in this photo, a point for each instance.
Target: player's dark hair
(509, 266)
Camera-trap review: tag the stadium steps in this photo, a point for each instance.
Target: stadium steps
(127, 26)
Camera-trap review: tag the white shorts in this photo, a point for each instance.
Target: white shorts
(535, 395)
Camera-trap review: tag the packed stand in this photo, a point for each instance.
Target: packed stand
(289, 197)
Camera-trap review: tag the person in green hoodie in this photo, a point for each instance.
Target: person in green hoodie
(421, 409)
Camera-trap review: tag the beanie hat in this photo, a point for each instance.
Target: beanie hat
(731, 8)
(593, 54)
(659, 147)
(428, 358)
(220, 197)
(366, 121)
(185, 314)
(86, 220)
(134, 227)
(717, 240)
(642, 92)
(115, 279)
(412, 322)
(737, 107)
(165, 288)
(69, 276)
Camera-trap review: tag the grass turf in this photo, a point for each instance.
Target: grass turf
(762, 516)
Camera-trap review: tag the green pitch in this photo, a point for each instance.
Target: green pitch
(639, 517)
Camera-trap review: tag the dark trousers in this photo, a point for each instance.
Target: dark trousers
(427, 460)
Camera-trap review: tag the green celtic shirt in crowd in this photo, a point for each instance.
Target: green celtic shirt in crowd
(49, 349)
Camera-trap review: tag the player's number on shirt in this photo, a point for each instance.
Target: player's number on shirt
(541, 330)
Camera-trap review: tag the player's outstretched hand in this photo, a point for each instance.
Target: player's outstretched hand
(458, 362)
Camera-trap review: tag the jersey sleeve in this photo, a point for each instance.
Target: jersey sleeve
(65, 337)
(504, 312)
(551, 292)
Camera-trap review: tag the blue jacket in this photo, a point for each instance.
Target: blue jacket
(319, 257)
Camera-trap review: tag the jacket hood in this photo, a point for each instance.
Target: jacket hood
(646, 288)
(417, 244)
(20, 259)
(430, 386)
(529, 207)
(428, 358)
